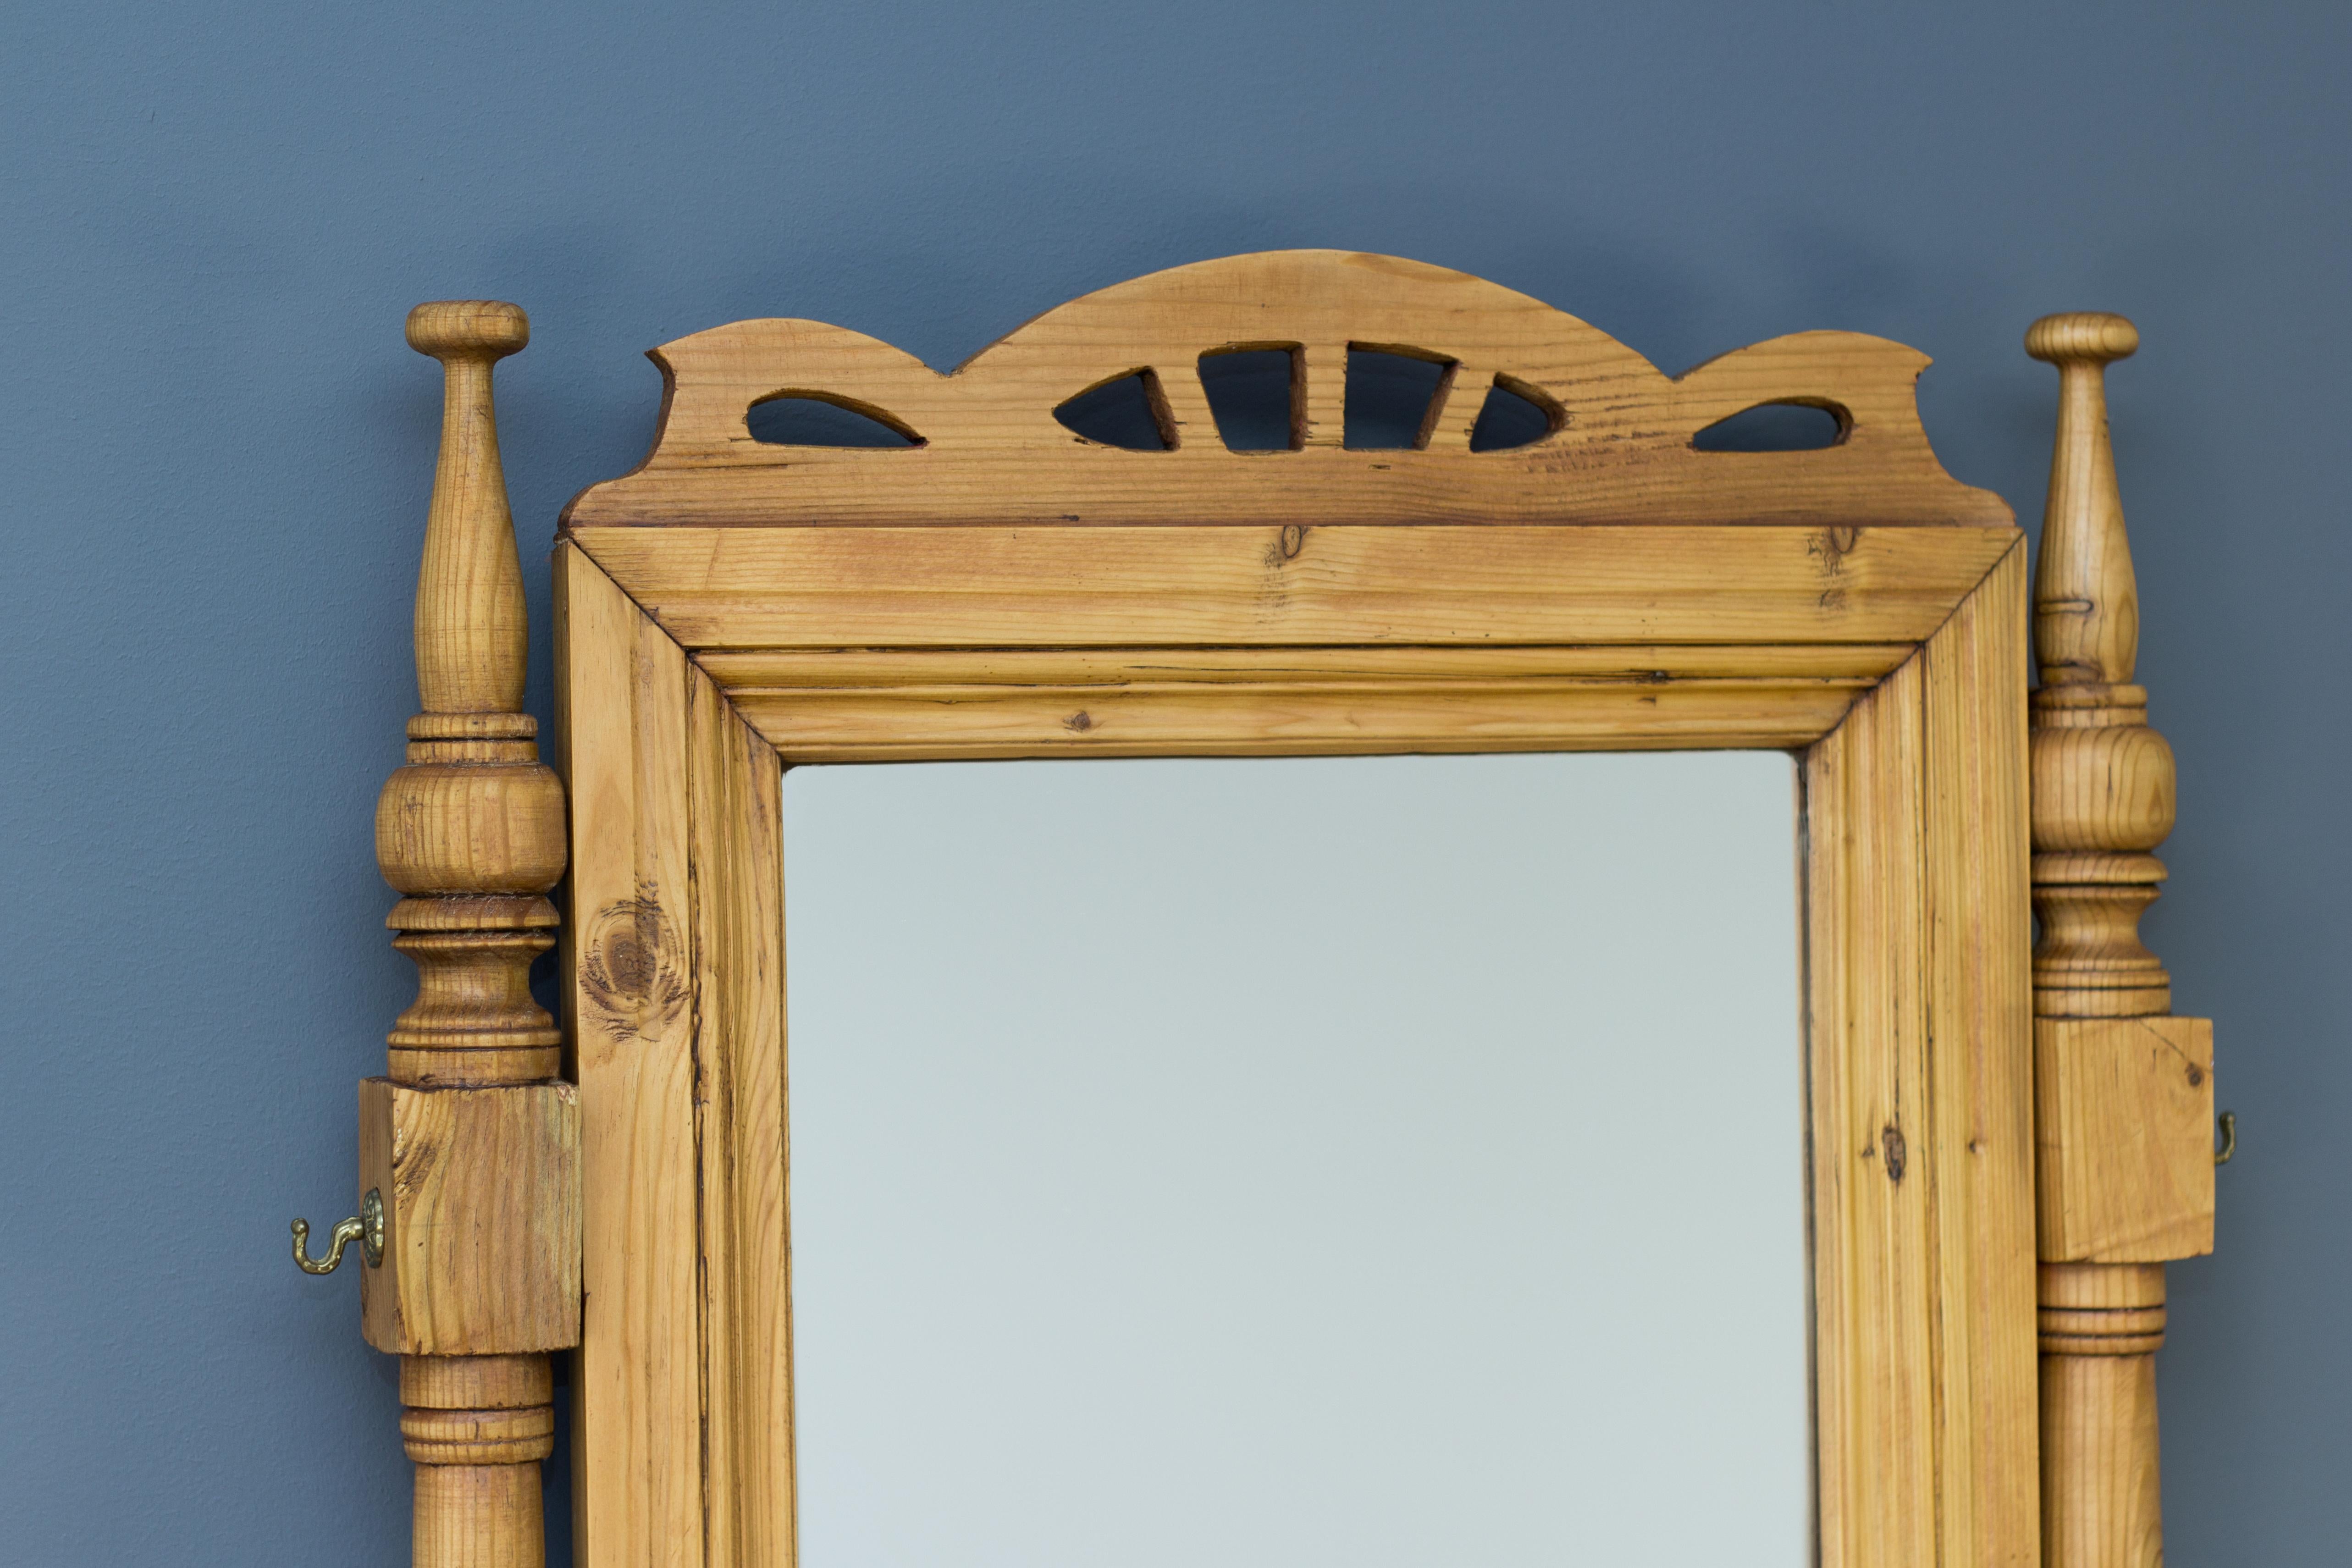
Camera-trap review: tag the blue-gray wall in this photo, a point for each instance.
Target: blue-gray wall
(217, 450)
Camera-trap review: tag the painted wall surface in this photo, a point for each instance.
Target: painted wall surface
(218, 449)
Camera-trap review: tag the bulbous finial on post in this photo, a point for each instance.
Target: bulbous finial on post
(2124, 1180)
(2103, 781)
(472, 829)
(2085, 602)
(2097, 336)
(471, 633)
(471, 832)
(448, 329)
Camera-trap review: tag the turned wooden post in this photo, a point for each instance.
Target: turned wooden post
(471, 1140)
(2124, 1092)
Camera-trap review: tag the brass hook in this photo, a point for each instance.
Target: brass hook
(346, 1232)
(367, 1227)
(2229, 1124)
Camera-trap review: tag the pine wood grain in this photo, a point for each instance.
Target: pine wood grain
(471, 629)
(912, 587)
(2101, 1327)
(476, 1428)
(1286, 721)
(1980, 1067)
(992, 452)
(1917, 936)
(481, 1208)
(470, 1145)
(1291, 718)
(735, 809)
(1468, 666)
(637, 1450)
(2103, 780)
(731, 607)
(678, 1008)
(2125, 1114)
(1920, 1084)
(2124, 1092)
(884, 705)
(1876, 1395)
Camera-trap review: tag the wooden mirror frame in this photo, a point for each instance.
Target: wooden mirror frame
(1982, 1111)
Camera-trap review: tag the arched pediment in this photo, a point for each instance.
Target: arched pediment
(989, 449)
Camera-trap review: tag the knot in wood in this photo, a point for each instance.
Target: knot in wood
(632, 971)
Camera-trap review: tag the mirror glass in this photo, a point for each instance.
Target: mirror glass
(1267, 1163)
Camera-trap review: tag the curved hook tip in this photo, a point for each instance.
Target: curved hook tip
(344, 1234)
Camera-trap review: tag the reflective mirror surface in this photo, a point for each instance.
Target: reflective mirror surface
(1369, 1162)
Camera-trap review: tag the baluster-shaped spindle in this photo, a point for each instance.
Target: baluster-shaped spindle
(471, 833)
(2102, 779)
(2117, 1080)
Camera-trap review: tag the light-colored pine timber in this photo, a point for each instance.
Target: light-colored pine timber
(866, 706)
(481, 1218)
(1004, 579)
(1468, 666)
(637, 1441)
(469, 1141)
(993, 453)
(2124, 1091)
(2102, 1324)
(472, 634)
(1917, 932)
(476, 1428)
(2125, 1114)
(909, 587)
(1874, 1402)
(1919, 1077)
(736, 812)
(683, 1443)
(1980, 1066)
(964, 723)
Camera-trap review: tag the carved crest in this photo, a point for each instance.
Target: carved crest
(983, 444)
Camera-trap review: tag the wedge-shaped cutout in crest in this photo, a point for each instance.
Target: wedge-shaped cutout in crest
(1255, 393)
(821, 419)
(995, 456)
(1389, 395)
(1126, 411)
(1515, 415)
(1776, 427)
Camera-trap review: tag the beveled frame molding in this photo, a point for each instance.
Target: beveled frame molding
(1918, 1034)
(730, 610)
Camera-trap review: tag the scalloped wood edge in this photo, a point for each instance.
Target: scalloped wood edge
(990, 450)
